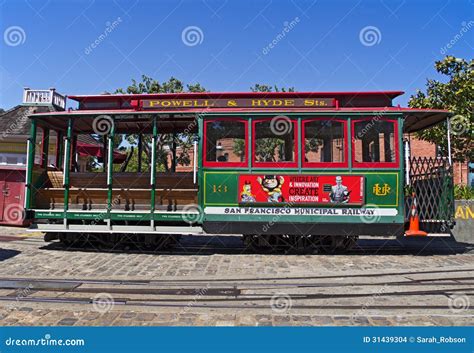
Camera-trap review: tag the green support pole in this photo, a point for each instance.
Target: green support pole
(250, 142)
(153, 166)
(45, 148)
(110, 166)
(30, 163)
(67, 167)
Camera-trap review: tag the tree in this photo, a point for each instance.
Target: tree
(457, 96)
(267, 88)
(166, 143)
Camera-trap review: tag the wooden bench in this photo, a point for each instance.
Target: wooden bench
(131, 191)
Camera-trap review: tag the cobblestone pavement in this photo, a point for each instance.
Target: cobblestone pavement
(212, 281)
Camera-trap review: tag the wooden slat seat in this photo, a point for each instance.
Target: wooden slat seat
(90, 199)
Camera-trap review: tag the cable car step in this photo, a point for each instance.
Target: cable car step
(75, 228)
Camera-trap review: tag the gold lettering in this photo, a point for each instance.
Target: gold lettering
(308, 102)
(165, 103)
(153, 103)
(459, 213)
(289, 102)
(469, 212)
(381, 190)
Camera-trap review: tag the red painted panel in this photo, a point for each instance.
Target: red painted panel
(12, 187)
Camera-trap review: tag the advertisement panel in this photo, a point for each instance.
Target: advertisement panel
(301, 189)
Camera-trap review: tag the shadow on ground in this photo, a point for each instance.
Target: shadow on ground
(232, 244)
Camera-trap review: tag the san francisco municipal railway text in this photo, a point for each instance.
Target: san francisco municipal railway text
(299, 211)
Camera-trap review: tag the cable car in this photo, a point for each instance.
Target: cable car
(291, 170)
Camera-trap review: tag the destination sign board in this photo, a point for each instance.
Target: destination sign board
(168, 104)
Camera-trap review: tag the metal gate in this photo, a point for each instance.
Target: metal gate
(431, 180)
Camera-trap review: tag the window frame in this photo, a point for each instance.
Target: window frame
(213, 164)
(381, 165)
(344, 164)
(292, 164)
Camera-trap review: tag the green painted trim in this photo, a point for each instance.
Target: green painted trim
(310, 172)
(153, 165)
(200, 173)
(401, 162)
(48, 215)
(67, 165)
(30, 164)
(110, 165)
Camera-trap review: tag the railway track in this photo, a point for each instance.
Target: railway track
(431, 291)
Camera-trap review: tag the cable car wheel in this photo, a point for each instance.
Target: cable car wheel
(113, 241)
(284, 243)
(336, 244)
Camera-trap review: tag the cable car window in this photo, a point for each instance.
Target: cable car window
(324, 143)
(225, 143)
(274, 142)
(375, 142)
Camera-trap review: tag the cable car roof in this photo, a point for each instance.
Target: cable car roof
(185, 105)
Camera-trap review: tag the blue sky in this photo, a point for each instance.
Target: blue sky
(328, 45)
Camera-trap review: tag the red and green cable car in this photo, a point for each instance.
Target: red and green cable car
(291, 169)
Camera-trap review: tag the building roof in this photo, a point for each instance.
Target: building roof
(15, 120)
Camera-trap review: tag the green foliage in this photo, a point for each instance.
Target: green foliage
(269, 148)
(164, 141)
(457, 96)
(266, 88)
(463, 192)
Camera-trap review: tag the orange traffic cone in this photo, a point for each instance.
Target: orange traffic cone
(414, 229)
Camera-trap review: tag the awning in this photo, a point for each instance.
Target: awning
(416, 120)
(85, 149)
